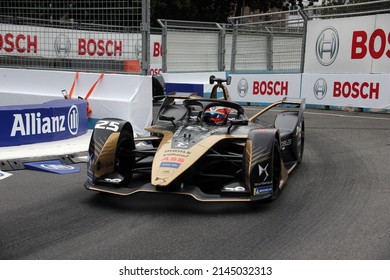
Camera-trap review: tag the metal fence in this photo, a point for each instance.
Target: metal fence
(114, 36)
(276, 41)
(96, 35)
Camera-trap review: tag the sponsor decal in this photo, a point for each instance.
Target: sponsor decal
(35, 123)
(196, 127)
(270, 88)
(263, 170)
(176, 153)
(327, 46)
(165, 173)
(365, 90)
(170, 165)
(157, 49)
(113, 180)
(62, 45)
(163, 180)
(53, 166)
(261, 190)
(138, 49)
(18, 43)
(320, 88)
(234, 189)
(285, 144)
(92, 47)
(242, 87)
(178, 131)
(181, 145)
(113, 126)
(173, 159)
(376, 45)
(211, 132)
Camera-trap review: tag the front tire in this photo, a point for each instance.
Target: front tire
(124, 156)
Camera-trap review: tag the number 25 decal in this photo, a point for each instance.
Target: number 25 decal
(114, 126)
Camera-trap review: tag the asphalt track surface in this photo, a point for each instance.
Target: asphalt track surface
(335, 205)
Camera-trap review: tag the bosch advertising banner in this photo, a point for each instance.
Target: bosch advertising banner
(48, 42)
(54, 120)
(265, 88)
(354, 90)
(349, 45)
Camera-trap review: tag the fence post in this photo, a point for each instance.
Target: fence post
(270, 50)
(221, 47)
(306, 19)
(145, 30)
(164, 34)
(234, 49)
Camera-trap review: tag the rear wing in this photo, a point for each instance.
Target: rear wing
(298, 102)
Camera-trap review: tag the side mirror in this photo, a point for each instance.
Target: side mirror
(229, 80)
(166, 118)
(212, 79)
(237, 122)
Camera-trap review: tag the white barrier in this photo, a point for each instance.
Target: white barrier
(347, 90)
(128, 97)
(348, 45)
(264, 88)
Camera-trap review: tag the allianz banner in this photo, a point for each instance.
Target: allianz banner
(53, 120)
(349, 45)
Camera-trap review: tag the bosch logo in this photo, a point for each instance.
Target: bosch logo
(62, 45)
(327, 46)
(242, 87)
(138, 49)
(57, 167)
(73, 120)
(320, 88)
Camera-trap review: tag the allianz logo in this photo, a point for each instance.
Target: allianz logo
(34, 124)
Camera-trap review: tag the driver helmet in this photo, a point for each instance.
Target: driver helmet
(216, 115)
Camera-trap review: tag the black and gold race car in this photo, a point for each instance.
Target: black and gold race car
(206, 148)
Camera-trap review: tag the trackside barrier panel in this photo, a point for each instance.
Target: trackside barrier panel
(54, 120)
(264, 88)
(128, 97)
(358, 45)
(347, 90)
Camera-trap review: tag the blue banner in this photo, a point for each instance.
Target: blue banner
(50, 121)
(53, 166)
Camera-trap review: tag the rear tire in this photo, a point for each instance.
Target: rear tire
(299, 142)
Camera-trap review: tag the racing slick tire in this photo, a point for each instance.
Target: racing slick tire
(124, 156)
(299, 142)
(276, 171)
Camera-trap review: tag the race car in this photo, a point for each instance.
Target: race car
(206, 148)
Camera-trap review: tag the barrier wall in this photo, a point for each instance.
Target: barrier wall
(348, 45)
(347, 90)
(54, 120)
(128, 97)
(264, 88)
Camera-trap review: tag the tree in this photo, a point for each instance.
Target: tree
(201, 10)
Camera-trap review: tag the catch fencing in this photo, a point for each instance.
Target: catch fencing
(115, 36)
(99, 35)
(258, 43)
